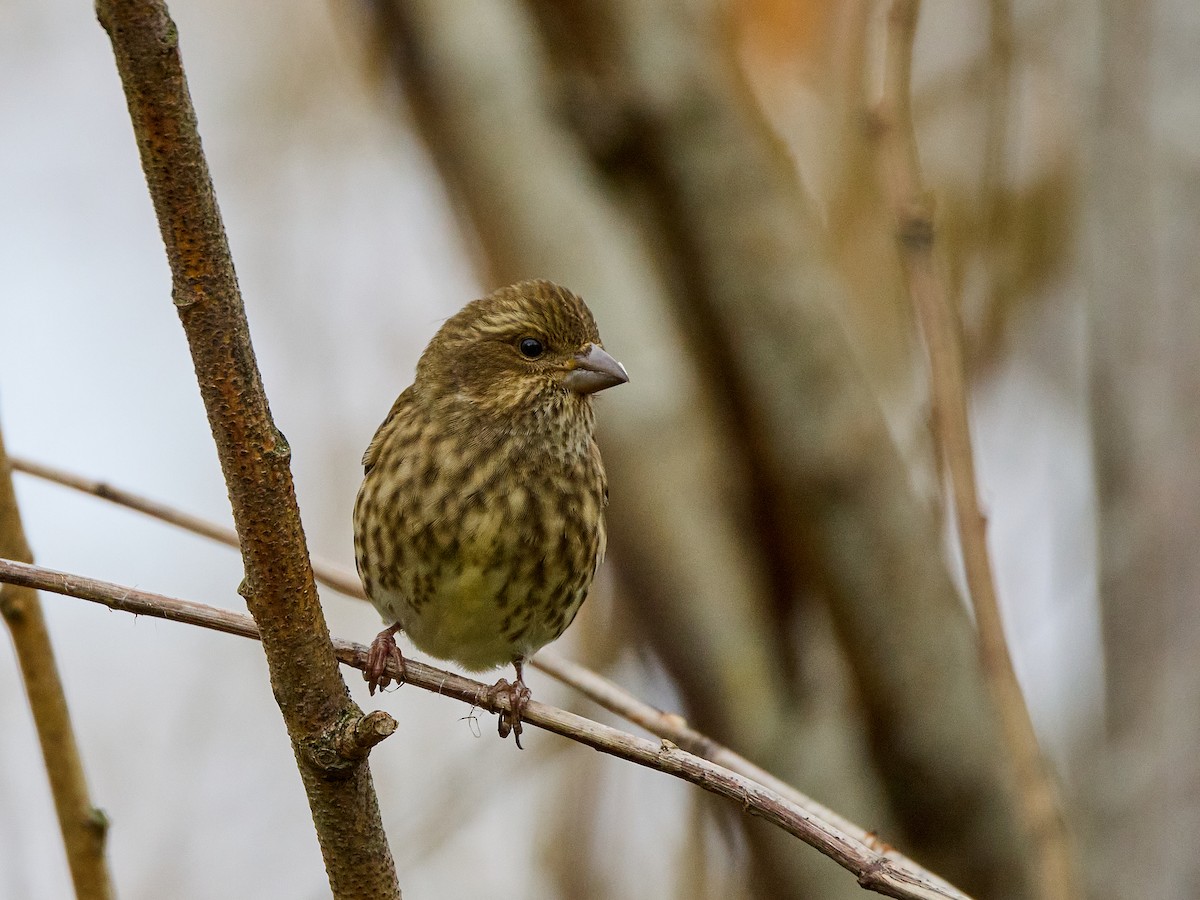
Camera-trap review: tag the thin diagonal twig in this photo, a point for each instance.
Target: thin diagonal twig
(1038, 799)
(84, 827)
(222, 534)
(330, 574)
(600, 690)
(674, 728)
(874, 870)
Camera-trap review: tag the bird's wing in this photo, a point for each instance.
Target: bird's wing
(403, 403)
(602, 544)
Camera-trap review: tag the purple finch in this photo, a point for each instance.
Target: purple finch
(480, 522)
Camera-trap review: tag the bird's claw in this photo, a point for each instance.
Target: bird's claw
(382, 651)
(518, 696)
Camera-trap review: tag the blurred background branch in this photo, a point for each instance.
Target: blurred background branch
(618, 143)
(84, 827)
(1143, 322)
(1037, 797)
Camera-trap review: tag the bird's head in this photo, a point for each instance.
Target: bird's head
(521, 346)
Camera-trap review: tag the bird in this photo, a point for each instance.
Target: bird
(479, 525)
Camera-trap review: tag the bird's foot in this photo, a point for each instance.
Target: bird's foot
(518, 696)
(383, 650)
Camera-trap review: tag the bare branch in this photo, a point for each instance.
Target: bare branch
(84, 827)
(610, 696)
(278, 587)
(327, 573)
(105, 491)
(674, 728)
(874, 870)
(1038, 796)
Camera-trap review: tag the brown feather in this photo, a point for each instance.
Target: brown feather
(480, 521)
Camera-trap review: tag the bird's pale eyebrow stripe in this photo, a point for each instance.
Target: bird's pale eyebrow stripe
(505, 325)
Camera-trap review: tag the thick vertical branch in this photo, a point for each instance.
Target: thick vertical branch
(254, 455)
(1129, 326)
(84, 827)
(745, 242)
(681, 146)
(535, 200)
(1143, 333)
(1037, 794)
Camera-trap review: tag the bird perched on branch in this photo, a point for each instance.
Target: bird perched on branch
(480, 522)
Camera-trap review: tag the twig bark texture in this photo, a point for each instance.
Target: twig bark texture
(1037, 794)
(84, 827)
(595, 687)
(873, 869)
(254, 455)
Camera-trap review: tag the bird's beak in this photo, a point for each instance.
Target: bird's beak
(592, 369)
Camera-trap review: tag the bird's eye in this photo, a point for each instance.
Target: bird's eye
(531, 348)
